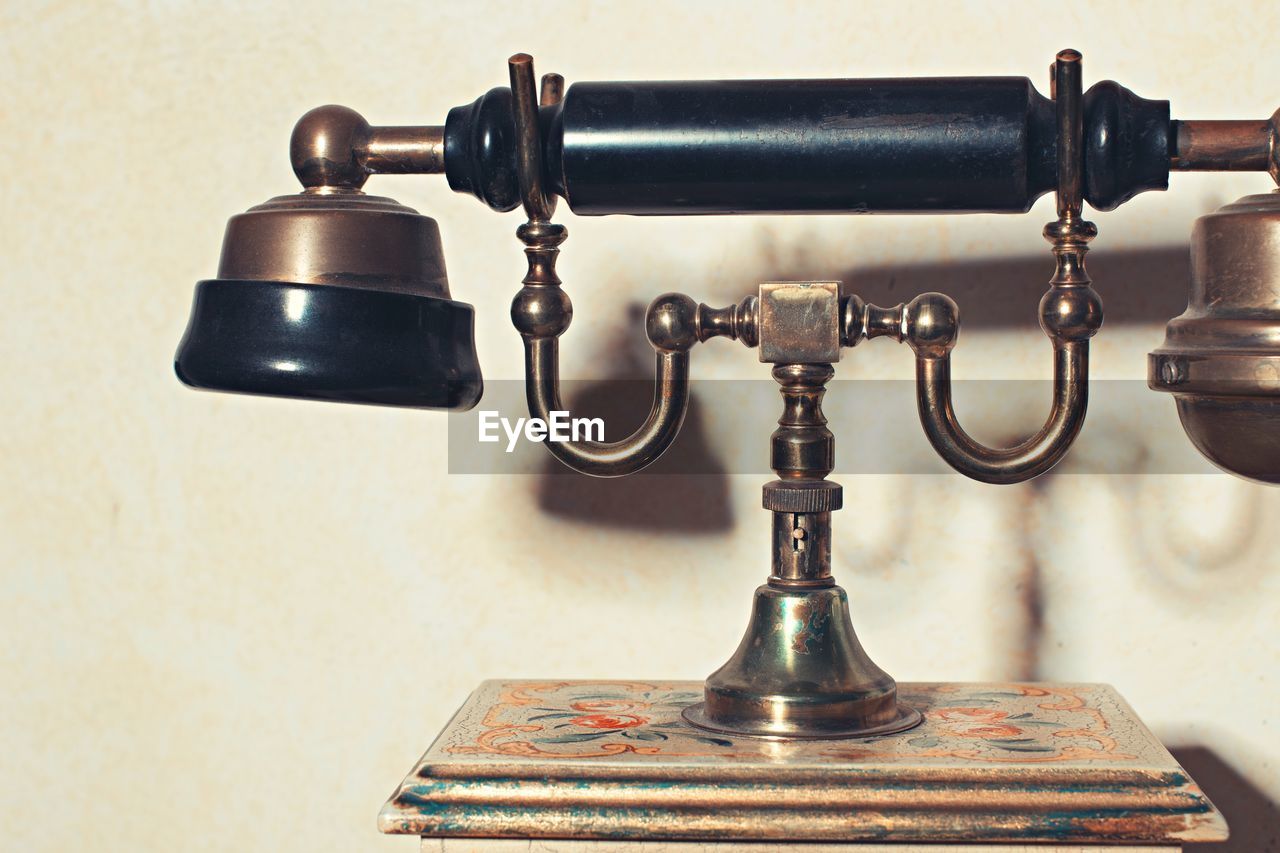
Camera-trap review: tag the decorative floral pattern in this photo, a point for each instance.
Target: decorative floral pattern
(1016, 723)
(606, 718)
(603, 721)
(604, 759)
(609, 714)
(979, 723)
(965, 723)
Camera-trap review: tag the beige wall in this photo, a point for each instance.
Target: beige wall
(233, 623)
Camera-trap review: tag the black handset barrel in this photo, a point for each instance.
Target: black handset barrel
(944, 145)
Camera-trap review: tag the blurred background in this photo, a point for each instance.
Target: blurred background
(234, 623)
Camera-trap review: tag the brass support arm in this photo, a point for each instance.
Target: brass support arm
(1032, 457)
(930, 325)
(610, 458)
(1070, 314)
(541, 312)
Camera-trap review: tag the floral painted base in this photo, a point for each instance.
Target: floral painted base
(1053, 763)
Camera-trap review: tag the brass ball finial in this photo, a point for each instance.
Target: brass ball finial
(672, 323)
(931, 324)
(1071, 313)
(541, 311)
(326, 148)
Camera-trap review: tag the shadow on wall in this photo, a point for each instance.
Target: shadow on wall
(1147, 286)
(663, 499)
(1253, 818)
(1139, 287)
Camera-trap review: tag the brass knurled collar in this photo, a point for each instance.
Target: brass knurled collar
(803, 496)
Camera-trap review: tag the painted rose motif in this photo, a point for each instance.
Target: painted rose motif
(619, 722)
(613, 706)
(980, 719)
(608, 721)
(984, 723)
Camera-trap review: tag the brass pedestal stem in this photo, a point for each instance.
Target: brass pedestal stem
(800, 671)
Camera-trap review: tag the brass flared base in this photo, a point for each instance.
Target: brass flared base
(800, 673)
(908, 718)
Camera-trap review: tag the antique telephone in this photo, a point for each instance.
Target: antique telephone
(332, 294)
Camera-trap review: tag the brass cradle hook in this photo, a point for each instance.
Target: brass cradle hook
(1070, 314)
(541, 311)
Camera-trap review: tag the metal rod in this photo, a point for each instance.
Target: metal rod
(1067, 88)
(537, 204)
(552, 90)
(1220, 146)
(404, 150)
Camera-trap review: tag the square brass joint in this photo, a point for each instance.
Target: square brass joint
(800, 322)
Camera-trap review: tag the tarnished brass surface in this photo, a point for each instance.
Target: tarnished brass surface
(1228, 146)
(740, 322)
(799, 671)
(1070, 313)
(1221, 358)
(541, 311)
(343, 238)
(538, 203)
(1221, 146)
(404, 150)
(334, 148)
(800, 322)
(551, 90)
(991, 763)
